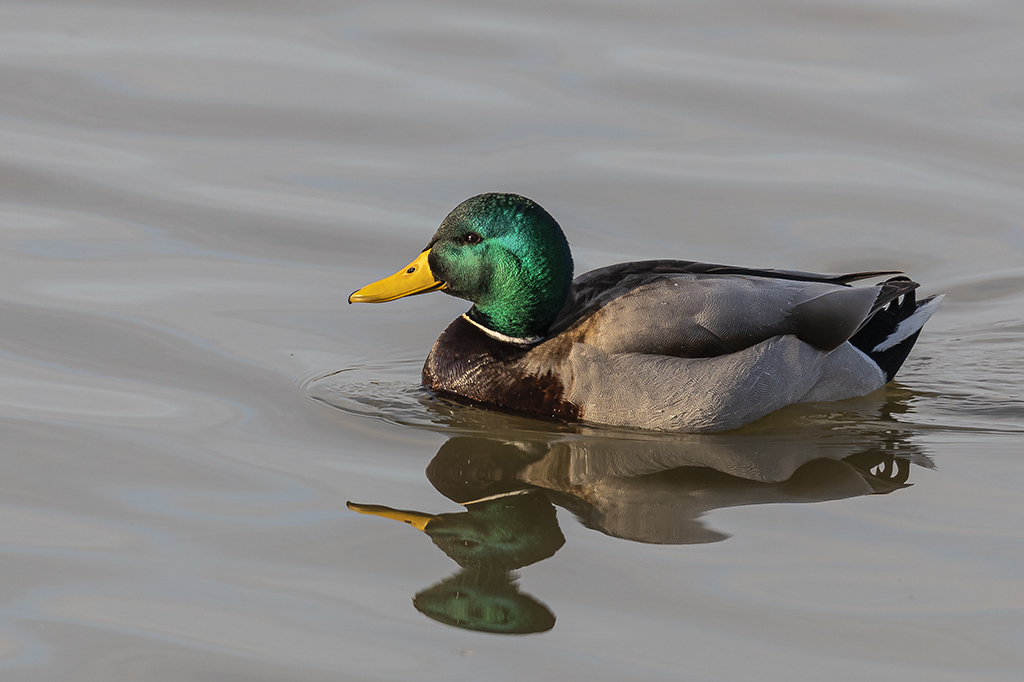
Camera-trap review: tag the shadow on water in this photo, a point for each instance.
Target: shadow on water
(511, 473)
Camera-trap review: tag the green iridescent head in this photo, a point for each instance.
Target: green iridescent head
(503, 252)
(509, 257)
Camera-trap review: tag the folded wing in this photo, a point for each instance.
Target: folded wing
(695, 310)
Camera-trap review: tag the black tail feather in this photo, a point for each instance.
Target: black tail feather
(882, 325)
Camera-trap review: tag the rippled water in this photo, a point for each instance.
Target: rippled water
(189, 191)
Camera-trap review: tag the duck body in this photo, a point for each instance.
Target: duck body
(664, 345)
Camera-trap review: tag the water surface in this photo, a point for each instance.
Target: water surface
(188, 193)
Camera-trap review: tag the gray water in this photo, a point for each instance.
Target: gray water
(189, 191)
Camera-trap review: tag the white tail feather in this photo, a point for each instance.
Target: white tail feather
(912, 324)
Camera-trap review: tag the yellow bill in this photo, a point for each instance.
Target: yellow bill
(415, 519)
(414, 278)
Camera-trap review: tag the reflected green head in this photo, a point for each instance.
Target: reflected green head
(507, 533)
(485, 601)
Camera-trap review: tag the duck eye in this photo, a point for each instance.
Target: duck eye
(473, 238)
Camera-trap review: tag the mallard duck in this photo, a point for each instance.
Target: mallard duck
(663, 344)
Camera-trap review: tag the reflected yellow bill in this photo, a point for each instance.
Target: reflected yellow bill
(415, 519)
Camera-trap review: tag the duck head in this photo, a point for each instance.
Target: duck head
(503, 252)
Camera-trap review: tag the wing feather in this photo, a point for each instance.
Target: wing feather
(689, 309)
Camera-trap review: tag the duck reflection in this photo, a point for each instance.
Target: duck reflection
(507, 525)
(645, 488)
(490, 540)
